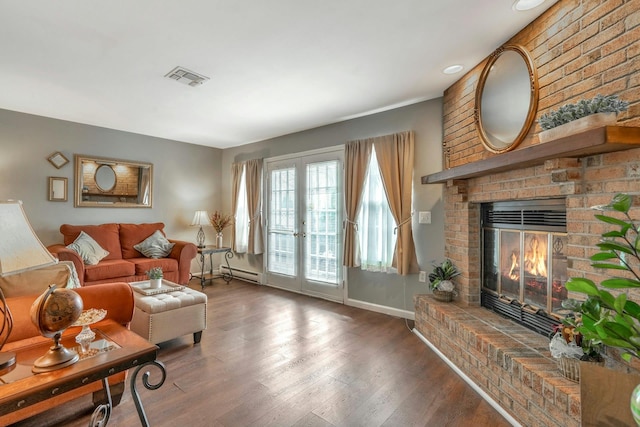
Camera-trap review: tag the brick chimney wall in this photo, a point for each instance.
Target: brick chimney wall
(580, 48)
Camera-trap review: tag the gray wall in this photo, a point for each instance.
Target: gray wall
(185, 176)
(189, 177)
(425, 119)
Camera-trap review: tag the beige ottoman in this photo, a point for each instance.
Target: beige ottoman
(165, 316)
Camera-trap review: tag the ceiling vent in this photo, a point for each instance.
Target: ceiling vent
(188, 77)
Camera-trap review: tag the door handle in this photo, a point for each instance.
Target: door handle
(296, 234)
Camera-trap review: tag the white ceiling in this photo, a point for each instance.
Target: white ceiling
(275, 66)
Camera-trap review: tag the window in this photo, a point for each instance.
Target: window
(375, 223)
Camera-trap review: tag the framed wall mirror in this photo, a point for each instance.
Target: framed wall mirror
(506, 98)
(57, 189)
(112, 183)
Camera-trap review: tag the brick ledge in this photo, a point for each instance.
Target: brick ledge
(510, 363)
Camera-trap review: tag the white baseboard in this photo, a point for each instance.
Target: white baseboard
(404, 314)
(469, 381)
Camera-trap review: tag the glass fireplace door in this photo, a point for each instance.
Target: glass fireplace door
(526, 266)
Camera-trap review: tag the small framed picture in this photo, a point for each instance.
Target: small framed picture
(58, 159)
(57, 189)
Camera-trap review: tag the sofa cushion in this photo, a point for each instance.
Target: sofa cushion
(155, 246)
(142, 265)
(106, 235)
(88, 249)
(132, 234)
(109, 269)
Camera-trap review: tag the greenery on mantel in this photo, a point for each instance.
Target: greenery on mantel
(585, 107)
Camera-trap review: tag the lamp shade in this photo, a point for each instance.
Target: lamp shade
(201, 218)
(20, 248)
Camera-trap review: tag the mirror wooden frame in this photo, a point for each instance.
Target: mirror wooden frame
(133, 187)
(58, 189)
(533, 98)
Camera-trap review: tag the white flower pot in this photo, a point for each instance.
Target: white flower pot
(155, 283)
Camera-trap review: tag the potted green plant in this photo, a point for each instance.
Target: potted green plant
(613, 320)
(596, 112)
(605, 318)
(440, 280)
(155, 277)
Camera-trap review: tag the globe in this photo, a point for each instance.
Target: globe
(53, 312)
(56, 310)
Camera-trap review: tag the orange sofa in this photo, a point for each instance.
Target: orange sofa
(124, 263)
(116, 298)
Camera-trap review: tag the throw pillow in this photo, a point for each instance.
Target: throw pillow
(155, 246)
(88, 249)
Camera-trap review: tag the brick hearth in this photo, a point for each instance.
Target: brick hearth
(509, 362)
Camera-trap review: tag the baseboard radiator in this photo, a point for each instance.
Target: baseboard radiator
(240, 274)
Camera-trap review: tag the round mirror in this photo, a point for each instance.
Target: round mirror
(506, 98)
(105, 178)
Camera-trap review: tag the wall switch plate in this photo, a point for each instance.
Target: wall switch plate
(422, 277)
(424, 217)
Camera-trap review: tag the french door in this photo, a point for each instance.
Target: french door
(304, 217)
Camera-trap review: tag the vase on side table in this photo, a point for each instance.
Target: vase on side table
(219, 240)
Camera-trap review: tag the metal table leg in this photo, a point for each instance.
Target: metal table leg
(101, 414)
(202, 270)
(227, 277)
(149, 386)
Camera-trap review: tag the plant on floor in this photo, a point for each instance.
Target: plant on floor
(603, 318)
(585, 107)
(155, 273)
(441, 275)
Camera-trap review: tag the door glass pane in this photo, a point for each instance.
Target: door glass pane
(510, 263)
(491, 270)
(282, 214)
(559, 270)
(534, 261)
(322, 217)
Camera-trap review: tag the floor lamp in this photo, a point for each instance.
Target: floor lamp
(20, 250)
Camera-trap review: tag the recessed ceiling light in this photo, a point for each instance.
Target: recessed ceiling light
(522, 5)
(452, 69)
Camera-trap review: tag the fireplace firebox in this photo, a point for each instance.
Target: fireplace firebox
(524, 262)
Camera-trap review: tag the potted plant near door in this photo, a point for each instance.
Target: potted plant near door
(440, 280)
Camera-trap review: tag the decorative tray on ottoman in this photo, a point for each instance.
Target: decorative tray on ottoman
(144, 287)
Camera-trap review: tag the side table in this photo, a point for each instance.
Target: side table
(210, 250)
(115, 349)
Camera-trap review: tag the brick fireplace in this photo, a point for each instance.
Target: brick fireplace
(509, 362)
(580, 48)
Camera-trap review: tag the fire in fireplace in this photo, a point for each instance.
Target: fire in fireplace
(524, 262)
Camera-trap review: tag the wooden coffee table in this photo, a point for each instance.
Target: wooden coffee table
(115, 349)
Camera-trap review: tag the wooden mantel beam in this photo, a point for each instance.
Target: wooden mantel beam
(605, 139)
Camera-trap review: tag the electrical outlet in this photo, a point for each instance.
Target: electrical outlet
(422, 277)
(424, 217)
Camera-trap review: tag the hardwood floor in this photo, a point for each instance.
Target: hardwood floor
(274, 358)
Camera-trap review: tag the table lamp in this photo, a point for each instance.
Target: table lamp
(20, 251)
(200, 218)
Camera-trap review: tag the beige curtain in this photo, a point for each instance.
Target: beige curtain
(395, 158)
(356, 160)
(236, 176)
(253, 177)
